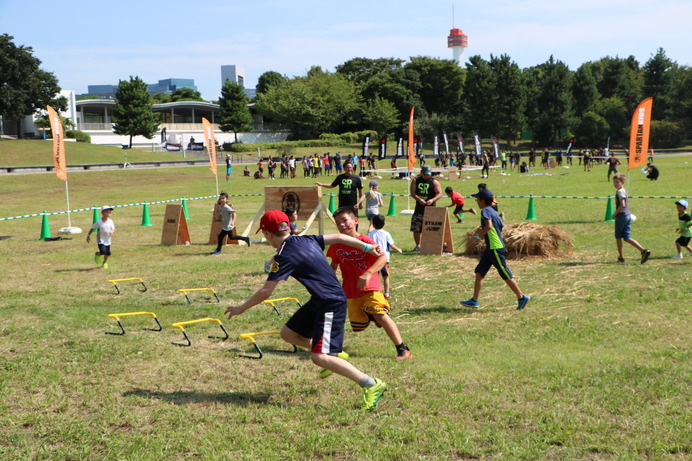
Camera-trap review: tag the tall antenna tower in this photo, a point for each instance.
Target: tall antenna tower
(458, 41)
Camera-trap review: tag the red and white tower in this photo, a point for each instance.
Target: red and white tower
(457, 41)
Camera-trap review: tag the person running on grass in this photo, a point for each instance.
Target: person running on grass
(319, 324)
(494, 253)
(227, 218)
(361, 282)
(104, 228)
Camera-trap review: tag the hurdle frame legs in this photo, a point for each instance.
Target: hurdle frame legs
(179, 325)
(116, 317)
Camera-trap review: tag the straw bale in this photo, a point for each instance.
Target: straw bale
(526, 239)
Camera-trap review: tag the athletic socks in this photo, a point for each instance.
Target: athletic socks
(367, 382)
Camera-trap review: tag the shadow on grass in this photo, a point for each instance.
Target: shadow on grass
(83, 269)
(191, 397)
(576, 263)
(554, 223)
(5, 237)
(441, 309)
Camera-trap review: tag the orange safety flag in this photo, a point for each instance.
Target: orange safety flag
(58, 144)
(411, 150)
(210, 141)
(639, 134)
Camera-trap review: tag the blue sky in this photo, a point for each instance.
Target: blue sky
(96, 42)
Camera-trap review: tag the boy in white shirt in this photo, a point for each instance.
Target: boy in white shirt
(385, 241)
(104, 228)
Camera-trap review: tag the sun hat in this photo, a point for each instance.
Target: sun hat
(682, 203)
(106, 207)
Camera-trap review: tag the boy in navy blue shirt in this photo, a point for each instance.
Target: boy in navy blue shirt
(319, 324)
(494, 253)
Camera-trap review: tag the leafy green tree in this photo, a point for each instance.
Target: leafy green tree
(681, 110)
(592, 129)
(186, 94)
(584, 90)
(613, 110)
(666, 134)
(310, 105)
(24, 86)
(399, 86)
(552, 102)
(479, 92)
(268, 79)
(360, 70)
(658, 84)
(619, 77)
(509, 99)
(234, 114)
(161, 98)
(441, 83)
(381, 115)
(132, 114)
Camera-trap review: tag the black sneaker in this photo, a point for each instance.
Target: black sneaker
(645, 255)
(621, 260)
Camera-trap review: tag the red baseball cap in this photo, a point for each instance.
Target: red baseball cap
(271, 221)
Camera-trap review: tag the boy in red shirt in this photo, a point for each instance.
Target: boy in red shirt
(458, 201)
(361, 282)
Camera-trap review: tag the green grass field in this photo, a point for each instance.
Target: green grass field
(596, 367)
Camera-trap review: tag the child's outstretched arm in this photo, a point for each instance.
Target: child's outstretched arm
(261, 294)
(331, 239)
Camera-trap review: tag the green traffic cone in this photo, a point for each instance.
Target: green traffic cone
(45, 229)
(609, 210)
(187, 216)
(95, 216)
(531, 213)
(146, 221)
(392, 207)
(332, 205)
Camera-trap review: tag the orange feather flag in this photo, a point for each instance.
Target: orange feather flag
(411, 150)
(210, 141)
(639, 134)
(58, 144)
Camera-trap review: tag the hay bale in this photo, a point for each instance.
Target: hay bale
(526, 239)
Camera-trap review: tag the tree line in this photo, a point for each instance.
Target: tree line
(494, 97)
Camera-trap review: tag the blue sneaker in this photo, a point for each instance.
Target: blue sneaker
(470, 303)
(523, 302)
(215, 252)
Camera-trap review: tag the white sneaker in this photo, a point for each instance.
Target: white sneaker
(678, 256)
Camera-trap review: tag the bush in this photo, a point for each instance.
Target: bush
(374, 136)
(349, 137)
(666, 135)
(80, 136)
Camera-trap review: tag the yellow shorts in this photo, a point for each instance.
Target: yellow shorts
(361, 310)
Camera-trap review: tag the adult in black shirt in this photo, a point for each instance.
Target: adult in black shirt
(350, 187)
(425, 191)
(653, 172)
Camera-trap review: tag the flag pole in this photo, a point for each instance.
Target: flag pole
(67, 194)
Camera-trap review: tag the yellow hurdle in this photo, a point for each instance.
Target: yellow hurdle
(251, 337)
(126, 314)
(185, 291)
(115, 283)
(179, 325)
(272, 301)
